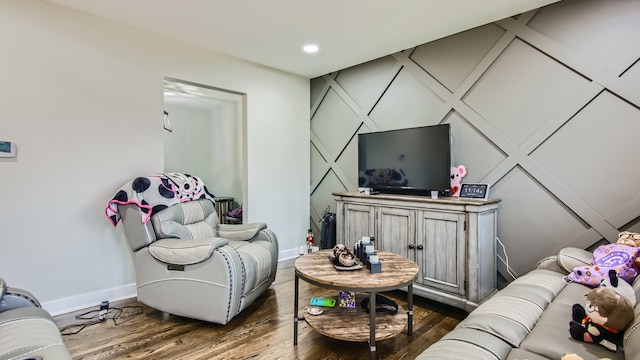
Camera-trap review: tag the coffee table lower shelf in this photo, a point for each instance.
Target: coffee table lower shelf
(353, 324)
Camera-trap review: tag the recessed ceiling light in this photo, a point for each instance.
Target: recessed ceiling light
(311, 48)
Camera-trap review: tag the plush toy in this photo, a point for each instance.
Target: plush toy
(457, 173)
(620, 286)
(621, 258)
(606, 316)
(628, 238)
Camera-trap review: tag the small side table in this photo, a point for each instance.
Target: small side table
(223, 205)
(397, 272)
(232, 220)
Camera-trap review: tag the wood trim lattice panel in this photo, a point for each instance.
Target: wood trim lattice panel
(534, 109)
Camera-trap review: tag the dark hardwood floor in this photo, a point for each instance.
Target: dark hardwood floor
(262, 331)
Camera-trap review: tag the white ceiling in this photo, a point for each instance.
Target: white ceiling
(272, 32)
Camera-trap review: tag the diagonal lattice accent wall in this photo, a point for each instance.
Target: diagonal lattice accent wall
(545, 106)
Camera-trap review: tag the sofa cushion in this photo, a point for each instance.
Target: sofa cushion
(29, 332)
(256, 263)
(506, 317)
(188, 220)
(548, 282)
(550, 337)
(465, 344)
(519, 354)
(511, 313)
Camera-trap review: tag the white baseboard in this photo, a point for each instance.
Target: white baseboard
(89, 300)
(93, 299)
(288, 254)
(294, 253)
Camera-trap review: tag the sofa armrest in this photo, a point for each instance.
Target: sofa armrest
(571, 257)
(11, 297)
(566, 260)
(550, 263)
(240, 231)
(185, 251)
(30, 333)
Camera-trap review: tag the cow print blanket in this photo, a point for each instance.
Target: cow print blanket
(157, 192)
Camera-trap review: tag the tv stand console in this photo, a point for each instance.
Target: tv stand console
(452, 240)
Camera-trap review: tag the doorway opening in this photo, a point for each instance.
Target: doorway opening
(205, 128)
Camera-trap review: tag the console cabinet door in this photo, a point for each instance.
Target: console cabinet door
(359, 221)
(440, 251)
(396, 230)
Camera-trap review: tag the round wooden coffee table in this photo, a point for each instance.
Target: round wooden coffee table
(351, 324)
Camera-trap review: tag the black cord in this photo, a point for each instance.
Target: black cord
(116, 314)
(124, 316)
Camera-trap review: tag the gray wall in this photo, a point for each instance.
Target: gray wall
(82, 99)
(544, 106)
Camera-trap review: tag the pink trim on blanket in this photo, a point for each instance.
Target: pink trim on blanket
(144, 220)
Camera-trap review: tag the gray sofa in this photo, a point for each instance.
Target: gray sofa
(529, 319)
(26, 330)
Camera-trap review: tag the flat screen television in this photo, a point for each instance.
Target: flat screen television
(413, 161)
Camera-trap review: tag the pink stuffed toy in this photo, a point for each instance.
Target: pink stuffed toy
(457, 173)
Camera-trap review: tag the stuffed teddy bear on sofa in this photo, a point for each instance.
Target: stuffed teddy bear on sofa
(630, 239)
(457, 173)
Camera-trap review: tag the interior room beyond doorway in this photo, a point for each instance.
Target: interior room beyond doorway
(204, 136)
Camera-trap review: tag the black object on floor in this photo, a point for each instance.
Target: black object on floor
(383, 304)
(328, 232)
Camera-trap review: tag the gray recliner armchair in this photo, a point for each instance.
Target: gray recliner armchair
(26, 330)
(188, 264)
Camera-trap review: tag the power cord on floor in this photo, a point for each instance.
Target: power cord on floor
(506, 259)
(118, 315)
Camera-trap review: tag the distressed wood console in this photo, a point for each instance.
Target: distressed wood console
(452, 240)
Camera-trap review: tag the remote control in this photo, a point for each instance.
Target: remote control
(326, 302)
